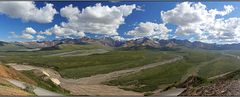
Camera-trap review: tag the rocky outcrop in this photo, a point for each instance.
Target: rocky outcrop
(227, 85)
(191, 81)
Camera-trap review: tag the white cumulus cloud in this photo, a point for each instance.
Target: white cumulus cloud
(149, 29)
(28, 33)
(187, 13)
(63, 32)
(40, 37)
(70, 12)
(26, 36)
(195, 21)
(97, 19)
(29, 30)
(27, 11)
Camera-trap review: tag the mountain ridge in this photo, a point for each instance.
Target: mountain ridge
(139, 43)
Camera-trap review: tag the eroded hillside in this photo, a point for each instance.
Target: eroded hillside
(7, 88)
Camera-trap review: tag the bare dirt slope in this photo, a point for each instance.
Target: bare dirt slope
(8, 89)
(19, 81)
(8, 72)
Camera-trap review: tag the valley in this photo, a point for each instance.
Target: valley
(93, 84)
(119, 48)
(104, 68)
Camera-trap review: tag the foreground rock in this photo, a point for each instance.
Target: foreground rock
(226, 88)
(227, 85)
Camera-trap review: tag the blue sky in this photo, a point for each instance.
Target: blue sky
(142, 13)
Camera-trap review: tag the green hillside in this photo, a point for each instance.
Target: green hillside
(10, 47)
(71, 61)
(165, 75)
(80, 66)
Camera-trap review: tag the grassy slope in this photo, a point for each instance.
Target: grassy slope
(159, 77)
(224, 65)
(234, 52)
(113, 61)
(62, 48)
(81, 66)
(11, 47)
(147, 80)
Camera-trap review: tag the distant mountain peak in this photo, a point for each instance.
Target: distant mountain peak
(140, 43)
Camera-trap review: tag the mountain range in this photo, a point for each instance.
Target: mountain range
(141, 43)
